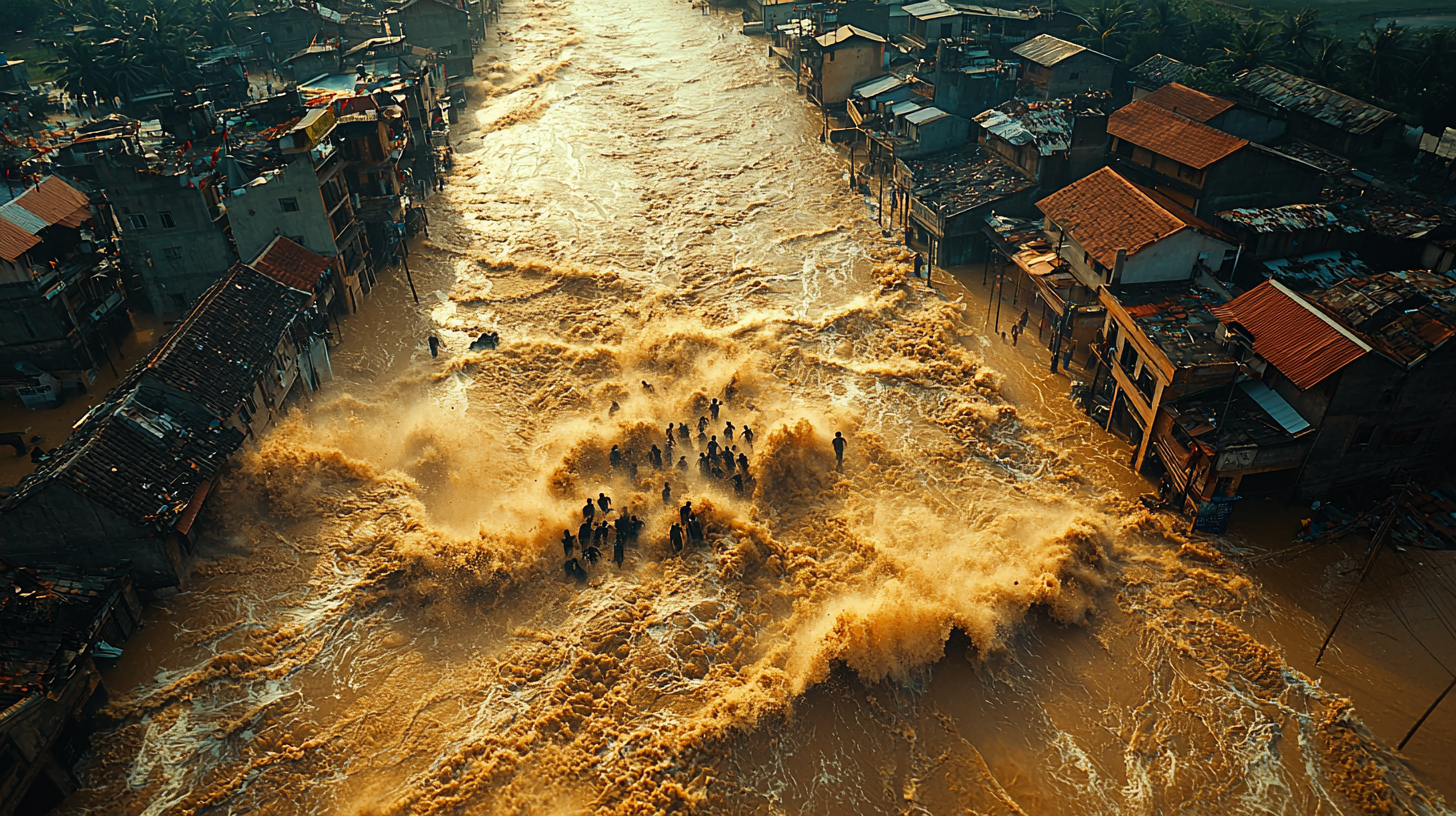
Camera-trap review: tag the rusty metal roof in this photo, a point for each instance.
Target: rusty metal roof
(1181, 99)
(291, 265)
(1304, 96)
(1105, 212)
(1047, 50)
(1291, 218)
(14, 241)
(1302, 342)
(56, 202)
(1159, 70)
(1404, 315)
(1168, 134)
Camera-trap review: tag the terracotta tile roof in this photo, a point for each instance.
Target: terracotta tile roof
(1164, 132)
(1302, 342)
(291, 265)
(1105, 212)
(1194, 104)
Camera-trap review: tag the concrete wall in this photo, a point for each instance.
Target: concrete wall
(1171, 259)
(444, 28)
(847, 66)
(1256, 177)
(259, 215)
(1081, 72)
(59, 526)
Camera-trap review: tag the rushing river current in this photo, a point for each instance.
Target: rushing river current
(955, 622)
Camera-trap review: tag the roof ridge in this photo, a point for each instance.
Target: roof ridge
(1318, 312)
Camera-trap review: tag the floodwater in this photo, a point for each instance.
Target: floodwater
(964, 619)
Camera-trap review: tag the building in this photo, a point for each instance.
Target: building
(62, 307)
(1053, 68)
(1111, 231)
(127, 486)
(1202, 168)
(845, 57)
(1216, 112)
(314, 60)
(929, 22)
(14, 76)
(967, 79)
(1367, 362)
(443, 26)
(1320, 115)
(1155, 72)
(1054, 142)
(54, 623)
(950, 194)
(303, 196)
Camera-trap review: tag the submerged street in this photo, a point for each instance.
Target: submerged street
(973, 615)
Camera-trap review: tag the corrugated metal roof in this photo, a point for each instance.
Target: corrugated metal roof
(1049, 127)
(51, 202)
(14, 241)
(1312, 99)
(924, 115)
(1278, 408)
(927, 7)
(1159, 70)
(22, 218)
(846, 33)
(1404, 315)
(1166, 133)
(1290, 218)
(1047, 50)
(1303, 343)
(875, 87)
(1194, 104)
(1105, 212)
(903, 108)
(1317, 270)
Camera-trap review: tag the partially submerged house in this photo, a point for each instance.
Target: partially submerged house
(844, 58)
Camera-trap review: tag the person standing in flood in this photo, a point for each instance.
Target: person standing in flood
(713, 447)
(839, 443)
(713, 408)
(567, 542)
(434, 346)
(589, 511)
(667, 494)
(584, 534)
(685, 512)
(747, 435)
(604, 502)
(728, 432)
(675, 535)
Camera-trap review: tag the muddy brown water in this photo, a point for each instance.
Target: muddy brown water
(967, 618)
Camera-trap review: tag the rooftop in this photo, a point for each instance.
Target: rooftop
(1166, 133)
(47, 618)
(51, 202)
(1194, 104)
(1176, 317)
(1291, 218)
(877, 86)
(1295, 93)
(1105, 212)
(1404, 315)
(1159, 70)
(952, 183)
(845, 34)
(1047, 126)
(1317, 270)
(1301, 341)
(1044, 49)
(291, 265)
(1242, 411)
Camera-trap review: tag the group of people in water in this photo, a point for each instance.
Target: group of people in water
(716, 460)
(586, 545)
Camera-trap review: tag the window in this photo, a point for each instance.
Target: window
(1074, 76)
(1361, 438)
(173, 253)
(288, 204)
(945, 34)
(167, 222)
(138, 221)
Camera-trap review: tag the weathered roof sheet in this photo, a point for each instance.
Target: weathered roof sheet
(845, 34)
(1105, 212)
(1279, 408)
(14, 241)
(955, 182)
(874, 87)
(1047, 50)
(1302, 342)
(1166, 133)
(924, 115)
(1317, 270)
(1404, 315)
(928, 7)
(1295, 93)
(224, 344)
(1049, 127)
(291, 265)
(51, 202)
(1159, 70)
(1194, 104)
(1291, 218)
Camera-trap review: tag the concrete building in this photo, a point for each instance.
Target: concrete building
(1052, 68)
(1111, 231)
(929, 22)
(1322, 116)
(442, 26)
(61, 300)
(1054, 142)
(949, 196)
(1202, 168)
(844, 58)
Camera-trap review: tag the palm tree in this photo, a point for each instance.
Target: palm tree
(1250, 46)
(1382, 57)
(130, 69)
(1297, 30)
(219, 20)
(1166, 20)
(1107, 27)
(80, 67)
(1325, 63)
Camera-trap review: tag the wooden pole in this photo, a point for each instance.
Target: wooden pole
(1412, 732)
(411, 279)
(1369, 562)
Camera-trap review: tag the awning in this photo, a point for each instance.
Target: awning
(1283, 413)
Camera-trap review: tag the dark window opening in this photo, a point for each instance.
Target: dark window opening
(173, 253)
(138, 221)
(288, 204)
(167, 222)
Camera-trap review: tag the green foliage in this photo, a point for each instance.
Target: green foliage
(20, 15)
(127, 48)
(1210, 79)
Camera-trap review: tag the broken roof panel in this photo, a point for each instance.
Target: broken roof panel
(1047, 50)
(1295, 93)
(955, 182)
(1302, 342)
(1159, 70)
(1291, 218)
(1105, 212)
(1168, 134)
(1404, 315)
(1194, 104)
(1048, 126)
(1317, 270)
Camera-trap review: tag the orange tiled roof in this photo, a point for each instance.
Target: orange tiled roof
(1194, 104)
(291, 265)
(1164, 132)
(1105, 212)
(1301, 342)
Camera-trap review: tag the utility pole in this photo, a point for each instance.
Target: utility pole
(410, 278)
(1369, 562)
(1421, 721)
